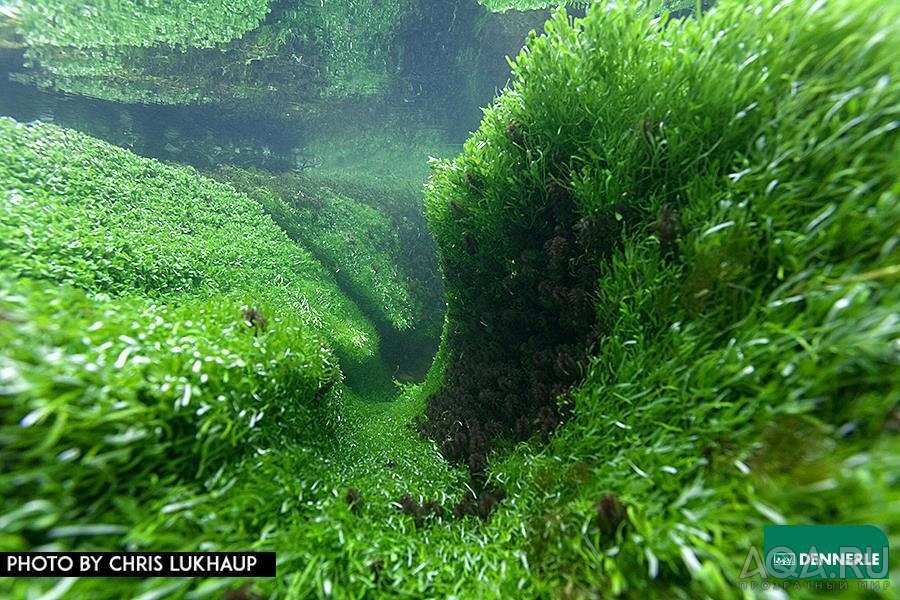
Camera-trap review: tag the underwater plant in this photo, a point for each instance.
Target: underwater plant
(276, 57)
(173, 234)
(670, 260)
(639, 245)
(372, 236)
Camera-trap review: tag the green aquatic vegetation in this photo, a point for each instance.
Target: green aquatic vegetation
(84, 213)
(106, 402)
(371, 234)
(355, 241)
(407, 353)
(726, 185)
(117, 73)
(90, 23)
(297, 60)
(769, 301)
(360, 51)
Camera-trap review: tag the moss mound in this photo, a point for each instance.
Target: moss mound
(92, 24)
(158, 332)
(107, 403)
(361, 243)
(680, 237)
(372, 236)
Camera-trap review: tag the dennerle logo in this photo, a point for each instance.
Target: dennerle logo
(830, 552)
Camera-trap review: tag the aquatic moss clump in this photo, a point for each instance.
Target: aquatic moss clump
(372, 236)
(354, 240)
(106, 403)
(680, 239)
(158, 332)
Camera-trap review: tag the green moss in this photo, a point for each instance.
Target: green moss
(296, 60)
(86, 24)
(107, 402)
(356, 241)
(84, 213)
(360, 49)
(371, 234)
(753, 153)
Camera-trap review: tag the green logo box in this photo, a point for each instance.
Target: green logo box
(826, 552)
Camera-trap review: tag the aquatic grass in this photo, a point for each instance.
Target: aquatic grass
(84, 213)
(774, 324)
(371, 235)
(355, 241)
(108, 402)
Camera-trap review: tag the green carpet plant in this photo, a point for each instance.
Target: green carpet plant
(81, 212)
(749, 299)
(86, 24)
(357, 242)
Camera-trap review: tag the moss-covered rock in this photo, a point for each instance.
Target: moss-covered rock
(107, 402)
(671, 236)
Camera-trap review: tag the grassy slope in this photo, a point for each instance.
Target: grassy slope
(92, 24)
(371, 234)
(84, 213)
(129, 377)
(355, 241)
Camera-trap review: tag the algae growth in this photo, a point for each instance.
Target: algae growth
(647, 307)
